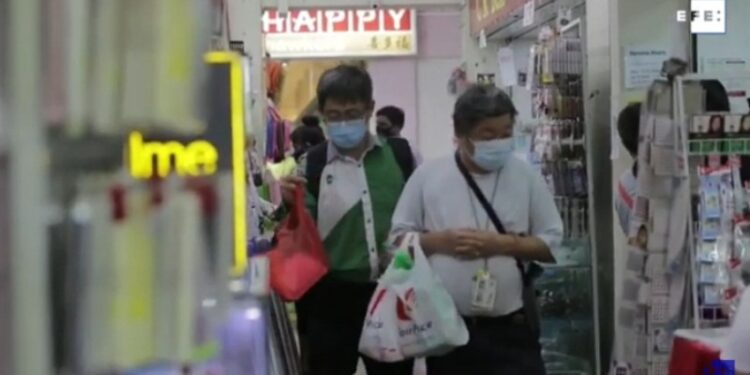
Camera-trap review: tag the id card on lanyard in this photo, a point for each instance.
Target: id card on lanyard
(484, 291)
(484, 285)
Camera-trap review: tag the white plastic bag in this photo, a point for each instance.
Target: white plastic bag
(411, 314)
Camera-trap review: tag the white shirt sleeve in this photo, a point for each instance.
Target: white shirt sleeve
(546, 223)
(737, 347)
(409, 213)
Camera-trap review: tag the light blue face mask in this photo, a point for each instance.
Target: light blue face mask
(493, 155)
(347, 134)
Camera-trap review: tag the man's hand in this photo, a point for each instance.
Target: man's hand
(288, 186)
(446, 242)
(482, 244)
(443, 242)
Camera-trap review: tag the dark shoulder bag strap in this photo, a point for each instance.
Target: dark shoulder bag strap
(529, 296)
(490, 212)
(404, 157)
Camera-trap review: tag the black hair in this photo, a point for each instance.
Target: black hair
(348, 83)
(305, 137)
(312, 121)
(479, 103)
(717, 99)
(628, 126)
(394, 114)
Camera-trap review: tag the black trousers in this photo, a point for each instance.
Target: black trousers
(330, 318)
(497, 346)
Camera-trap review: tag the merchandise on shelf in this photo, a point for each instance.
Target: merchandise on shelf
(138, 287)
(558, 148)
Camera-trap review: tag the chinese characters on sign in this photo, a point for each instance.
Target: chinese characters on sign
(340, 33)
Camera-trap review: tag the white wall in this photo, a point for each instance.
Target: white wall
(435, 107)
(418, 84)
(395, 83)
(732, 45)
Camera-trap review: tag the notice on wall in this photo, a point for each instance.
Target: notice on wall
(735, 75)
(506, 60)
(643, 65)
(528, 13)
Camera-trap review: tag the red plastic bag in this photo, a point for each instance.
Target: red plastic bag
(298, 261)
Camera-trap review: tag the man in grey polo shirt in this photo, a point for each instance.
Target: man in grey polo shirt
(477, 264)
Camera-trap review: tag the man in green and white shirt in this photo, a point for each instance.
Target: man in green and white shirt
(353, 185)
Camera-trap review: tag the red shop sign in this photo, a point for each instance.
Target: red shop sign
(488, 14)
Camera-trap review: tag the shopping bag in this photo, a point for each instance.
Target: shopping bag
(298, 260)
(411, 314)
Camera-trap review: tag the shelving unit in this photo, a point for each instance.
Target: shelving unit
(561, 148)
(707, 311)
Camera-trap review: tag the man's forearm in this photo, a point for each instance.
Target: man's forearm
(529, 248)
(430, 243)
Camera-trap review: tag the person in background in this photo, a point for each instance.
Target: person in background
(307, 136)
(390, 122)
(352, 182)
(465, 247)
(628, 127)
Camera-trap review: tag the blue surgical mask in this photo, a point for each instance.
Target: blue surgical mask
(493, 155)
(347, 134)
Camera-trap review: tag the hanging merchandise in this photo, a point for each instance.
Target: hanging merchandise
(559, 149)
(135, 277)
(163, 44)
(654, 302)
(717, 142)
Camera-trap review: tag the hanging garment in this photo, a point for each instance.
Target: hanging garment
(98, 298)
(179, 274)
(274, 130)
(133, 250)
(107, 67)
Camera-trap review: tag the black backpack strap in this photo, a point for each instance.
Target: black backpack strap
(403, 154)
(491, 214)
(316, 159)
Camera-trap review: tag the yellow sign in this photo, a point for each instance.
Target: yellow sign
(151, 159)
(239, 178)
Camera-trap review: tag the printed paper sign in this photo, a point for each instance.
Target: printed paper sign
(643, 65)
(528, 13)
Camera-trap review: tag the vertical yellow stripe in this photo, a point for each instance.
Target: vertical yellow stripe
(239, 187)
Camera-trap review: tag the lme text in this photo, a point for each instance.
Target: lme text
(149, 159)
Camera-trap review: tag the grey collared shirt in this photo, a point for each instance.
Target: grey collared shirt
(437, 198)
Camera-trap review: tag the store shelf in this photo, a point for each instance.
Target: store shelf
(729, 146)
